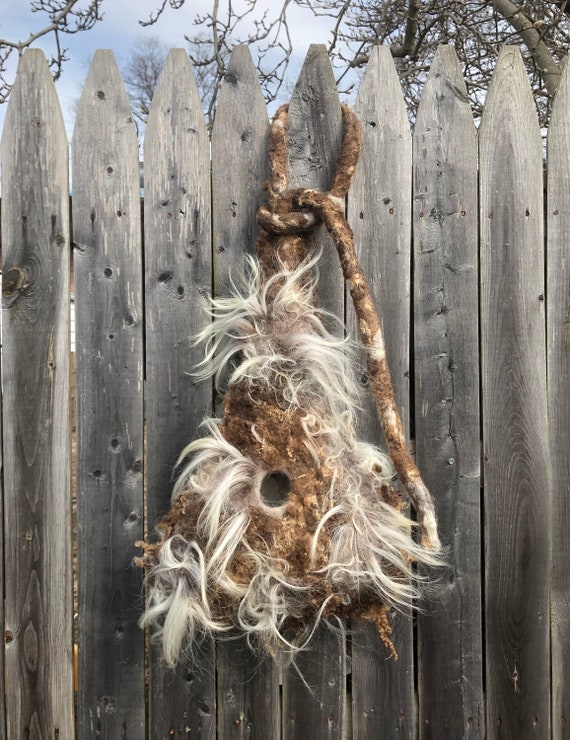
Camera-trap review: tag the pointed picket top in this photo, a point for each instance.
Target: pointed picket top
(558, 153)
(240, 87)
(445, 93)
(33, 110)
(562, 97)
(509, 98)
(104, 98)
(445, 153)
(314, 125)
(176, 95)
(380, 96)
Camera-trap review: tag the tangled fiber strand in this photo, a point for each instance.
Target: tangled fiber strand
(335, 543)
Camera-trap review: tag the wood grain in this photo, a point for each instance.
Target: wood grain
(314, 705)
(178, 277)
(515, 436)
(239, 167)
(314, 132)
(248, 687)
(558, 348)
(379, 212)
(109, 354)
(248, 693)
(446, 331)
(35, 383)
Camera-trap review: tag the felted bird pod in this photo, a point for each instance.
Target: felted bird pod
(281, 518)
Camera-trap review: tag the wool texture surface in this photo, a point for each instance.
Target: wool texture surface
(281, 518)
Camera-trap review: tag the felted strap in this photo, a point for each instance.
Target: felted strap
(287, 220)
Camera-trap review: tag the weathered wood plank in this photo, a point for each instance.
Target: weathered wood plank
(248, 693)
(239, 166)
(248, 689)
(314, 705)
(379, 211)
(314, 129)
(3, 626)
(515, 437)
(446, 333)
(35, 383)
(178, 275)
(558, 335)
(109, 355)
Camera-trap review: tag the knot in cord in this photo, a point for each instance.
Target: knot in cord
(295, 212)
(298, 211)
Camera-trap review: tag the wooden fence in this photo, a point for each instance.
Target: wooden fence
(476, 309)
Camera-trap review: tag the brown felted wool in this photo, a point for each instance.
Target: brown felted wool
(282, 519)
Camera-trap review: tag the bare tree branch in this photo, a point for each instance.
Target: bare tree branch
(409, 46)
(64, 16)
(412, 28)
(530, 35)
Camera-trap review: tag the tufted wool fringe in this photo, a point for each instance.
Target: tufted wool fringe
(227, 559)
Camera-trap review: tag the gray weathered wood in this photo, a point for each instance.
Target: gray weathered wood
(314, 132)
(3, 627)
(314, 690)
(178, 276)
(109, 355)
(446, 333)
(558, 334)
(515, 437)
(248, 690)
(239, 167)
(2, 616)
(379, 211)
(248, 694)
(314, 707)
(35, 383)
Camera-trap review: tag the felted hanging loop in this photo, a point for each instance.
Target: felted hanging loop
(297, 212)
(281, 518)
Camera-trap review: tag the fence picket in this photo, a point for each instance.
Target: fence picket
(379, 211)
(248, 688)
(558, 333)
(239, 166)
(314, 690)
(3, 626)
(447, 396)
(109, 356)
(515, 435)
(178, 274)
(35, 383)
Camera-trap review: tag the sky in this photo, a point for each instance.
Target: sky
(119, 30)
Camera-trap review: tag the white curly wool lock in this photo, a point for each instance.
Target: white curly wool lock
(210, 573)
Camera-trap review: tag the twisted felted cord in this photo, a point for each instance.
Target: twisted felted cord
(288, 218)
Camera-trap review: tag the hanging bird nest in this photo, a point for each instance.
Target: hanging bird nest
(281, 518)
